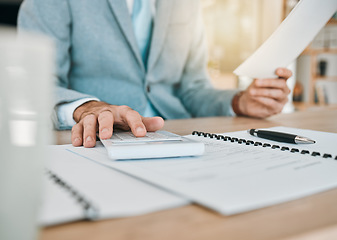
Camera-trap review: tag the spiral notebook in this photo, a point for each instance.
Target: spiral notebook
(78, 188)
(240, 172)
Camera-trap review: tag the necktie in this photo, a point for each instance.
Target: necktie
(143, 24)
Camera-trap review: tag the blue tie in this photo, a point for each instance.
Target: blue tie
(143, 24)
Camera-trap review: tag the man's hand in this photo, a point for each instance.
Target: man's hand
(96, 116)
(265, 97)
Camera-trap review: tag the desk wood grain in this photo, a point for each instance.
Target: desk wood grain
(313, 217)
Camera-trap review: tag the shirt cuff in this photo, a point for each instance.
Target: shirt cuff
(231, 111)
(65, 111)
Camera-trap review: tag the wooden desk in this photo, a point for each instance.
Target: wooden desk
(313, 217)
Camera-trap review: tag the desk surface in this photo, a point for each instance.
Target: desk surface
(313, 217)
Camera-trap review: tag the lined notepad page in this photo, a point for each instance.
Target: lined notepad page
(232, 178)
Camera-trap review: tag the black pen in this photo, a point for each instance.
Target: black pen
(279, 137)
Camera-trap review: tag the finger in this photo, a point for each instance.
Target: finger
(134, 121)
(283, 73)
(105, 123)
(89, 133)
(270, 83)
(276, 94)
(271, 105)
(153, 124)
(76, 135)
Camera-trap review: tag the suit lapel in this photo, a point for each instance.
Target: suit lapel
(121, 12)
(161, 23)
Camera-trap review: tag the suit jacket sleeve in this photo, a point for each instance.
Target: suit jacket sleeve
(195, 90)
(53, 18)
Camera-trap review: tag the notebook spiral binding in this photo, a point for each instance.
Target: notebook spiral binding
(90, 211)
(257, 143)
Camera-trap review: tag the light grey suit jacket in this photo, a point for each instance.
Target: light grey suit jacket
(97, 56)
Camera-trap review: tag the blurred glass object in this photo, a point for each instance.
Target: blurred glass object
(26, 73)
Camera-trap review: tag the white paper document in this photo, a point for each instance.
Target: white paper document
(289, 39)
(232, 178)
(107, 192)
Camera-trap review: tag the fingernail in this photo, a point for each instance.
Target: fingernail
(77, 140)
(104, 130)
(103, 135)
(89, 139)
(139, 130)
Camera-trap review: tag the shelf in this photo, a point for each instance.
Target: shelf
(326, 78)
(310, 51)
(314, 55)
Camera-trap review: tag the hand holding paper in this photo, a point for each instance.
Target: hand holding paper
(264, 97)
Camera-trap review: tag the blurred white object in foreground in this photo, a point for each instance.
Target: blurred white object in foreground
(26, 73)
